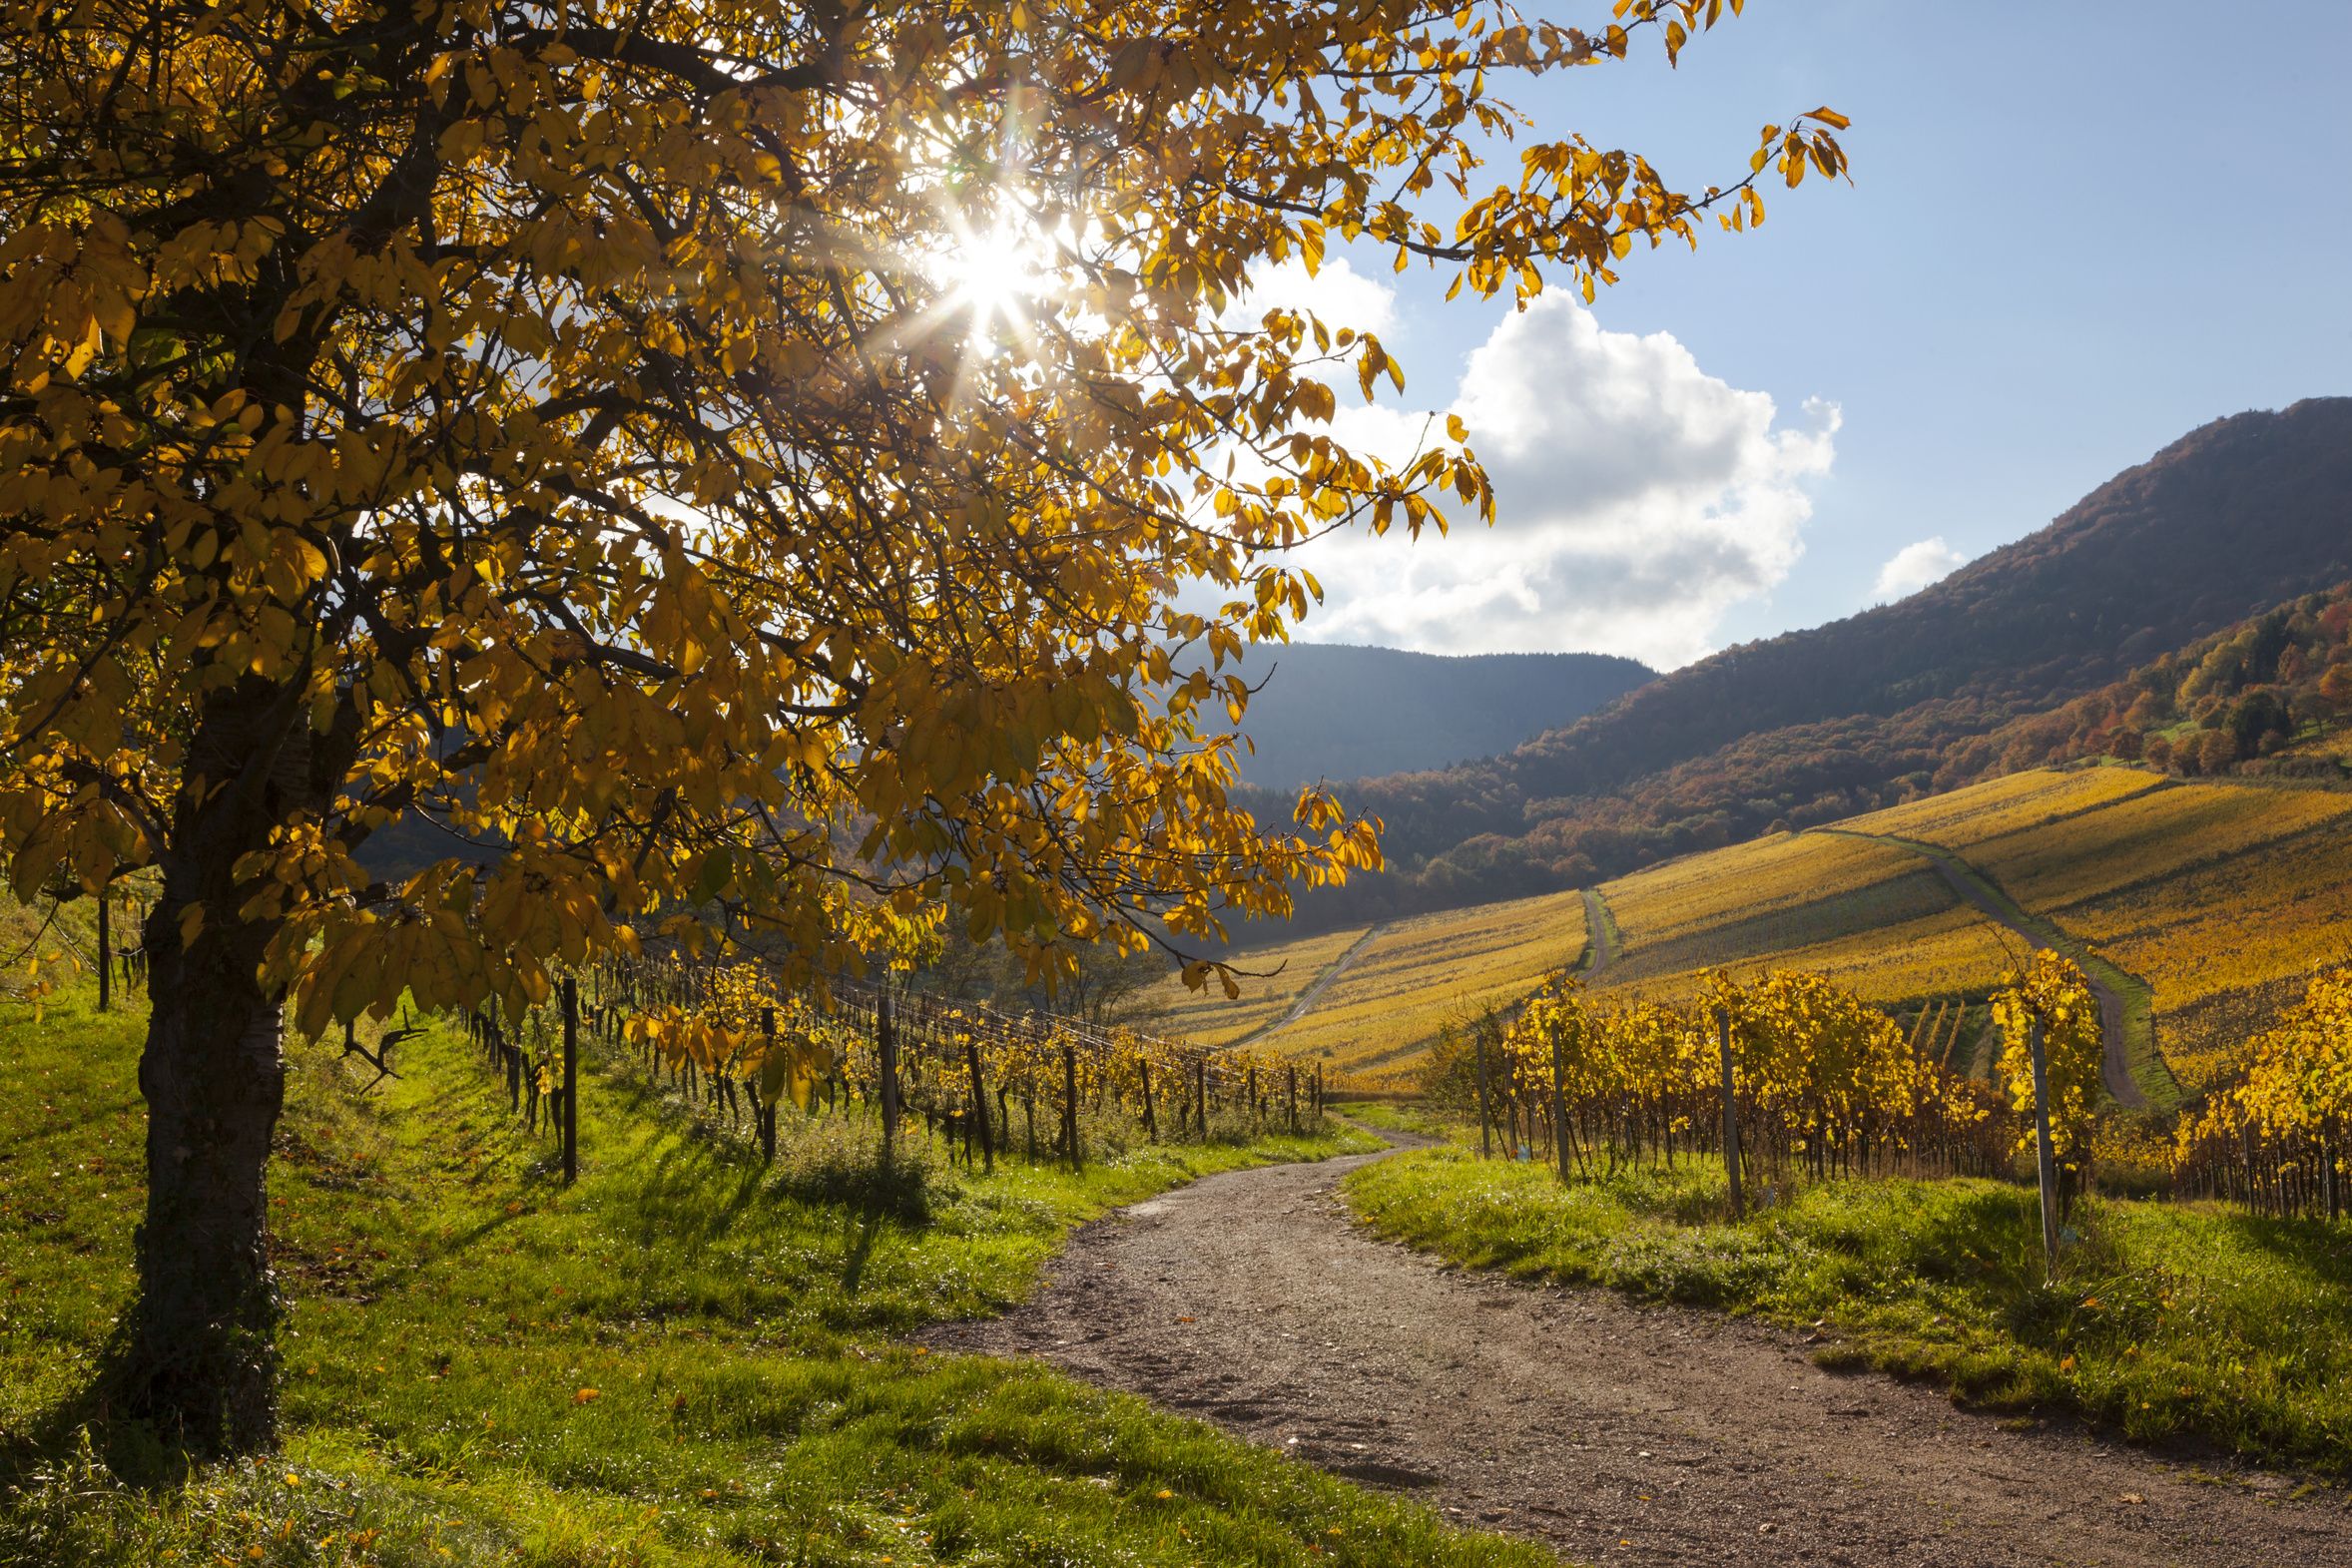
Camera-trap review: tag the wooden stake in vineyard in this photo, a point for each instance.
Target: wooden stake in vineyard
(886, 1036)
(1731, 1159)
(1200, 1091)
(1486, 1108)
(1559, 1108)
(571, 1080)
(979, 1107)
(2044, 1154)
(1151, 1126)
(764, 1109)
(1069, 1102)
(106, 955)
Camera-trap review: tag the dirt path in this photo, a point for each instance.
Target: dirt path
(2114, 1068)
(1600, 930)
(1314, 993)
(1617, 1434)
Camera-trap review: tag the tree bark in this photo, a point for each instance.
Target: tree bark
(201, 1361)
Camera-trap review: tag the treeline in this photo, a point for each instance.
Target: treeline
(2226, 704)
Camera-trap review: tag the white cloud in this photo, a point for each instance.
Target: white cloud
(1338, 293)
(1637, 498)
(1914, 566)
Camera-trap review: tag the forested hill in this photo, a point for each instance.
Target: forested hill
(1326, 711)
(2235, 518)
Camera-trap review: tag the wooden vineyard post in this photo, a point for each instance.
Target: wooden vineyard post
(765, 1108)
(2331, 1178)
(1559, 1109)
(1486, 1106)
(979, 1107)
(886, 1036)
(1292, 1079)
(1731, 1161)
(1151, 1127)
(1253, 1094)
(2044, 1157)
(1200, 1091)
(571, 1080)
(106, 956)
(1318, 1091)
(1069, 1103)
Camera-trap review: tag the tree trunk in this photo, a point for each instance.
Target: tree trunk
(201, 1361)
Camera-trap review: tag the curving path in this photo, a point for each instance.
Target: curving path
(2114, 1068)
(1614, 1432)
(1600, 930)
(1314, 992)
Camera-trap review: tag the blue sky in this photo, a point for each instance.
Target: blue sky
(2075, 234)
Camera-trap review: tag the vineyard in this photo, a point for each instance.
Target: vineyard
(2011, 804)
(2210, 905)
(1418, 976)
(741, 1046)
(1276, 976)
(1870, 916)
(1792, 1074)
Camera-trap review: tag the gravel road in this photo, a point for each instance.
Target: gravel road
(1616, 1432)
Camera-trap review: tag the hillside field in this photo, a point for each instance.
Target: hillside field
(2207, 904)
(1401, 983)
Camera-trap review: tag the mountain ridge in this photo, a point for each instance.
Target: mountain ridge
(2236, 517)
(1312, 718)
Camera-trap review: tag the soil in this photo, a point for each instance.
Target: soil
(1613, 1431)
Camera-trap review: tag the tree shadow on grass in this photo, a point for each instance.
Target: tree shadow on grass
(87, 1439)
(2318, 1249)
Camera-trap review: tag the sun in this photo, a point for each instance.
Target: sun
(994, 275)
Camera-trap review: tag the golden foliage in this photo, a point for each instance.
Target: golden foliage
(564, 425)
(2050, 994)
(2278, 1138)
(1820, 1077)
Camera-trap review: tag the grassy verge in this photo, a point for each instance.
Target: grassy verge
(683, 1360)
(2170, 1321)
(1406, 1116)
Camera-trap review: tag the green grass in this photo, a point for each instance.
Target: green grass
(1406, 1116)
(2170, 1321)
(683, 1360)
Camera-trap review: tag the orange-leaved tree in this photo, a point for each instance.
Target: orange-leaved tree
(706, 466)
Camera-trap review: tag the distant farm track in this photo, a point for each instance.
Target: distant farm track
(2108, 983)
(1314, 992)
(1601, 934)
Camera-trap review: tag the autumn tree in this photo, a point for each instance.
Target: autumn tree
(713, 466)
